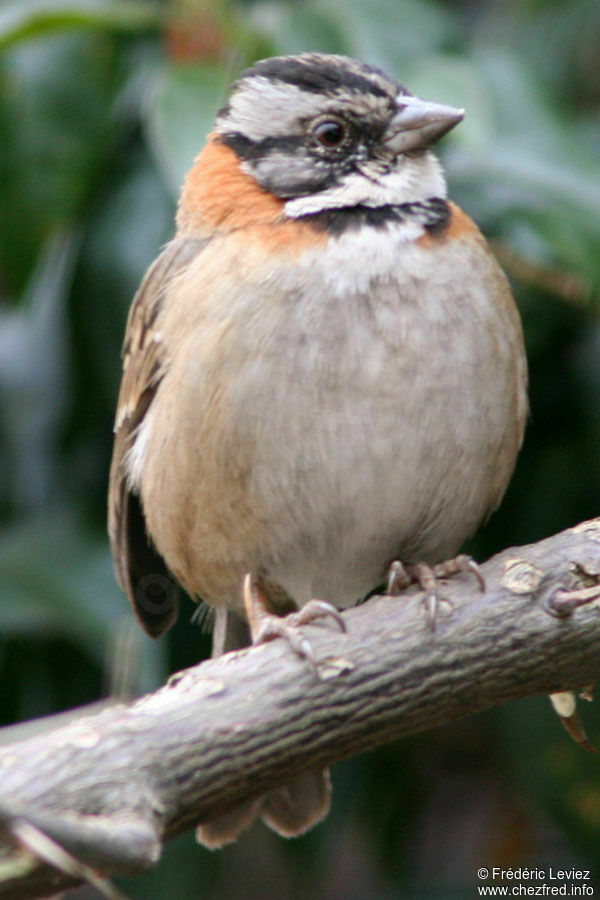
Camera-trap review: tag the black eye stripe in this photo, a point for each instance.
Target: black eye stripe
(283, 181)
(252, 150)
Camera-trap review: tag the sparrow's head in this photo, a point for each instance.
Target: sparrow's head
(323, 132)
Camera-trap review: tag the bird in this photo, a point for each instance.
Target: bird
(324, 382)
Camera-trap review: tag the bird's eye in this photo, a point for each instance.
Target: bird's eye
(330, 134)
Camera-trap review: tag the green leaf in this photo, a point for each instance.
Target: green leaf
(57, 583)
(32, 19)
(390, 33)
(33, 375)
(56, 127)
(55, 580)
(296, 29)
(126, 231)
(181, 113)
(519, 168)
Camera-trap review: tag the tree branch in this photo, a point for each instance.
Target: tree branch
(111, 789)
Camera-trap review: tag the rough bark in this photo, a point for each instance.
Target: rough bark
(114, 787)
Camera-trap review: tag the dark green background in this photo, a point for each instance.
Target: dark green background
(102, 108)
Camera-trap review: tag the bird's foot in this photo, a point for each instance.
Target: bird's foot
(265, 625)
(564, 603)
(401, 575)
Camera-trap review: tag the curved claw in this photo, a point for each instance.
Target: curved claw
(400, 576)
(563, 602)
(317, 609)
(431, 602)
(473, 567)
(274, 627)
(461, 563)
(397, 578)
(265, 626)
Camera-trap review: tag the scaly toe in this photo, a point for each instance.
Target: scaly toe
(317, 609)
(564, 603)
(275, 627)
(426, 578)
(401, 576)
(266, 626)
(461, 563)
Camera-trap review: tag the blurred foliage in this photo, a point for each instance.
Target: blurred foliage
(103, 105)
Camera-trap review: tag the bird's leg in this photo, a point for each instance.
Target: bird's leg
(265, 625)
(401, 575)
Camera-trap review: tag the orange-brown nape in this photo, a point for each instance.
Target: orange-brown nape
(218, 196)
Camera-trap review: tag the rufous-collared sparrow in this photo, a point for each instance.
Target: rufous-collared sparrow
(324, 372)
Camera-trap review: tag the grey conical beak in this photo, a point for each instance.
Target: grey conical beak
(419, 123)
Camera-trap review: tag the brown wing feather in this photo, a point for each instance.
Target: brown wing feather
(140, 569)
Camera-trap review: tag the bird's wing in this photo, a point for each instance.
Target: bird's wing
(141, 571)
